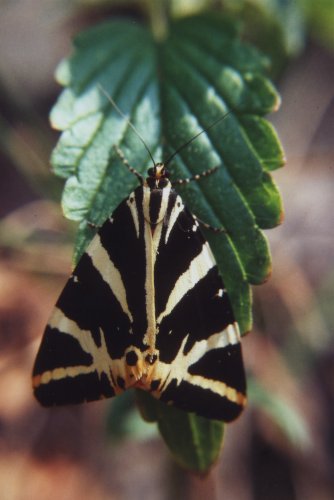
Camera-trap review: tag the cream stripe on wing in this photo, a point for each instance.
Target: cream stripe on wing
(199, 267)
(175, 212)
(218, 387)
(164, 203)
(109, 272)
(61, 373)
(131, 203)
(149, 337)
(178, 370)
(101, 359)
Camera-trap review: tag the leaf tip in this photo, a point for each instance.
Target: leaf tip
(277, 103)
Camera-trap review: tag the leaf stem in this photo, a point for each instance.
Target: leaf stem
(159, 15)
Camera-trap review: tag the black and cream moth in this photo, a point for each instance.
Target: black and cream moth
(145, 308)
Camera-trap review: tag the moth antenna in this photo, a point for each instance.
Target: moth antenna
(221, 118)
(120, 112)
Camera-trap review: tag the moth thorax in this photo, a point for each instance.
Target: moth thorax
(155, 203)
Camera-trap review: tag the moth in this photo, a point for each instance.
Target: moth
(145, 308)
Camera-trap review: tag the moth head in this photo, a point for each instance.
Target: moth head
(157, 176)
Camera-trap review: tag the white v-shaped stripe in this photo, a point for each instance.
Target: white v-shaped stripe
(199, 267)
(109, 273)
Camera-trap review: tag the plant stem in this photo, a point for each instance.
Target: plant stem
(159, 15)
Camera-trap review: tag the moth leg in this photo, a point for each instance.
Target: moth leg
(196, 177)
(92, 225)
(209, 227)
(125, 162)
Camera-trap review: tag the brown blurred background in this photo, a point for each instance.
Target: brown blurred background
(72, 453)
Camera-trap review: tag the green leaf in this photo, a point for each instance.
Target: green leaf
(171, 91)
(277, 27)
(123, 420)
(320, 18)
(195, 442)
